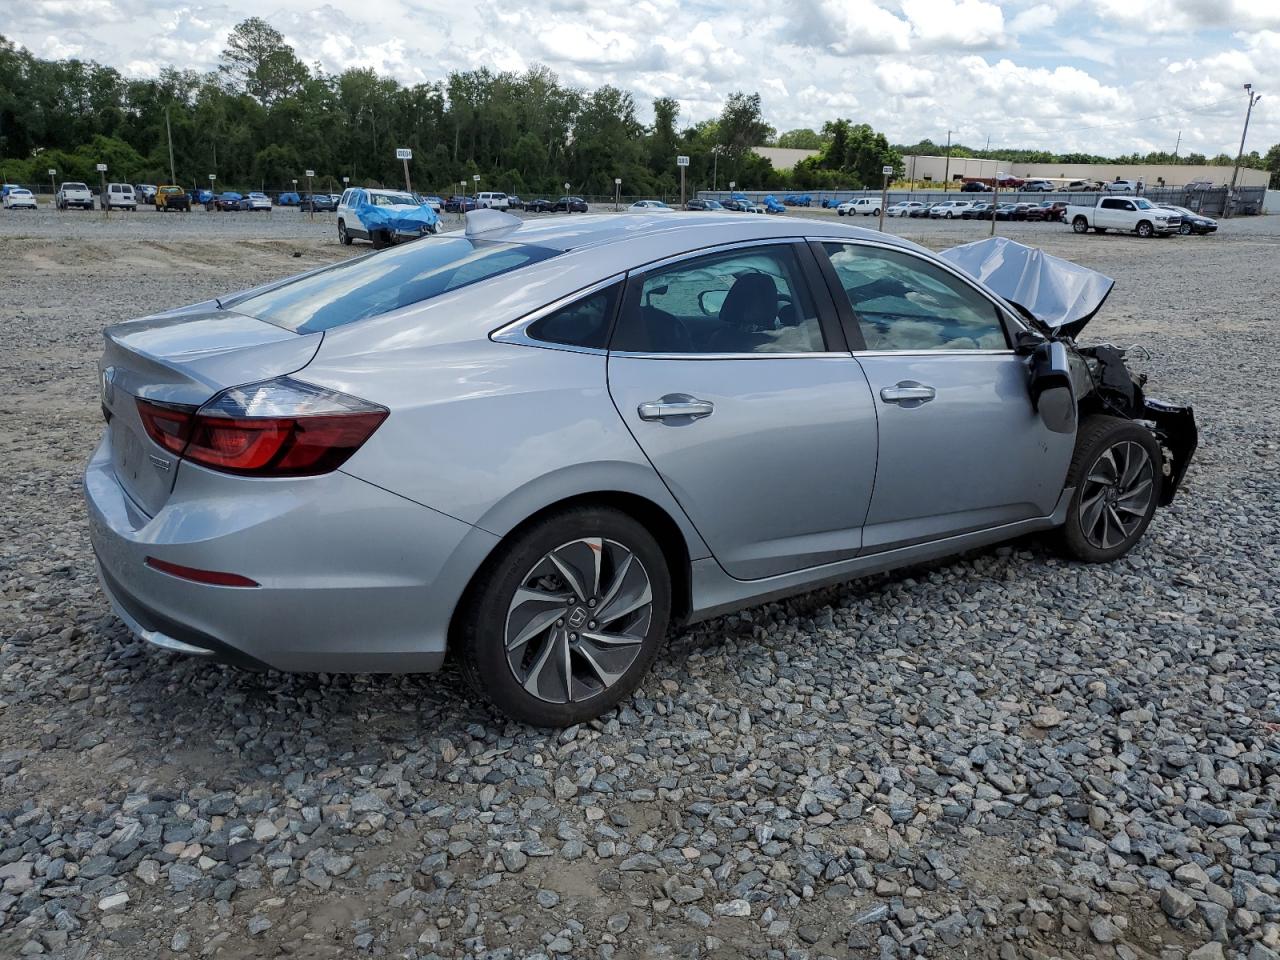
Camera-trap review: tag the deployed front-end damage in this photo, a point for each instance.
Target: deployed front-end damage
(1058, 298)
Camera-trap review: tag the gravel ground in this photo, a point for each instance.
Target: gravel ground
(1006, 755)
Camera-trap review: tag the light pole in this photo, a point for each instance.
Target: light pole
(102, 174)
(173, 177)
(886, 172)
(1235, 172)
(946, 176)
(568, 207)
(617, 193)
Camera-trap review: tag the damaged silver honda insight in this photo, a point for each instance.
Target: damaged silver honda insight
(536, 446)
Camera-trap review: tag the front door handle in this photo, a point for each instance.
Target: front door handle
(675, 405)
(908, 393)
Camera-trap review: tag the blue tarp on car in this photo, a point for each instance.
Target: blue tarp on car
(772, 205)
(400, 218)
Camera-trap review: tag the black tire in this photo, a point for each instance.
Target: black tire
(1080, 225)
(1185, 229)
(481, 624)
(378, 238)
(1144, 230)
(839, 212)
(1097, 436)
(344, 238)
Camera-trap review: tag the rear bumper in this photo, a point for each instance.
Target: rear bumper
(353, 578)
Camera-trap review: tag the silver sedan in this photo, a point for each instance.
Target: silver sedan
(537, 446)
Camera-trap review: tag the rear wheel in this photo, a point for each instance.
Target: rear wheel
(1116, 472)
(565, 620)
(344, 238)
(1080, 225)
(378, 238)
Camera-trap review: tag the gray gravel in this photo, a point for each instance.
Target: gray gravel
(1007, 755)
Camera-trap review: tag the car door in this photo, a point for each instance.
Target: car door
(730, 370)
(960, 446)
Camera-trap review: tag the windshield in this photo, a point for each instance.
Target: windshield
(392, 200)
(74, 186)
(1144, 204)
(382, 282)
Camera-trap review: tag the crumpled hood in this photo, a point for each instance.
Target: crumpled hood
(401, 217)
(1063, 295)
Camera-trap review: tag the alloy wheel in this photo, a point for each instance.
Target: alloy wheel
(578, 620)
(1116, 494)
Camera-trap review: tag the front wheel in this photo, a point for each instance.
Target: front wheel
(1080, 225)
(1144, 230)
(1185, 229)
(565, 620)
(1116, 472)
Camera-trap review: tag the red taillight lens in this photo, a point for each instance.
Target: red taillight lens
(217, 578)
(281, 428)
(167, 424)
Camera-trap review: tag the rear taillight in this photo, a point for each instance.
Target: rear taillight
(280, 428)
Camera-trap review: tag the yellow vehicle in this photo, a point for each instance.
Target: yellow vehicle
(170, 197)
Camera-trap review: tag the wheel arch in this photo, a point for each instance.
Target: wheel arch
(657, 519)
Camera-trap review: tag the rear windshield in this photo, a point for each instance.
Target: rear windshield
(74, 186)
(382, 282)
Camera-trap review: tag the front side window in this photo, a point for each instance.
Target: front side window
(905, 303)
(749, 300)
(368, 286)
(583, 323)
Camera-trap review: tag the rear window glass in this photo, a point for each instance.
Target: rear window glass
(385, 281)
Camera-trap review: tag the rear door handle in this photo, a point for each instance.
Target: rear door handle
(908, 392)
(675, 405)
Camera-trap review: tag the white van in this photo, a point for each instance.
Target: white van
(492, 201)
(119, 196)
(867, 206)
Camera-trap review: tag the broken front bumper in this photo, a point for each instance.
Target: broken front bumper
(1175, 428)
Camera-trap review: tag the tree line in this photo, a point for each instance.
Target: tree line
(263, 117)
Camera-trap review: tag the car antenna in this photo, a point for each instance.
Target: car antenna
(488, 222)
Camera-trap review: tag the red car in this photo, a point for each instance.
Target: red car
(1050, 211)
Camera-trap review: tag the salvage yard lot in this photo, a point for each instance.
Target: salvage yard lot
(1004, 755)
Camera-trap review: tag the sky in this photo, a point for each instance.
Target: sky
(1102, 76)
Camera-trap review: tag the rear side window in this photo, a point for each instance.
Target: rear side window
(583, 323)
(379, 283)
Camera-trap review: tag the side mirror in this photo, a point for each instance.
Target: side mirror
(711, 301)
(1052, 394)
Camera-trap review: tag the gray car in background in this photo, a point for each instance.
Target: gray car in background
(538, 445)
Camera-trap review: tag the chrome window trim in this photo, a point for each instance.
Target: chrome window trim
(645, 355)
(516, 331)
(935, 353)
(1006, 310)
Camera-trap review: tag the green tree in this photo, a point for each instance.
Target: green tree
(801, 139)
(258, 62)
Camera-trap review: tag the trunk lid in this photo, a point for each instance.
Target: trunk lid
(185, 357)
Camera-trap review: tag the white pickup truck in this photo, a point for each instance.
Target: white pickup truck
(1125, 214)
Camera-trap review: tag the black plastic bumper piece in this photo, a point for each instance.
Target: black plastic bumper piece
(1176, 431)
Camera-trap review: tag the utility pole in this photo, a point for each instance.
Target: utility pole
(1235, 172)
(173, 177)
(946, 176)
(1177, 145)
